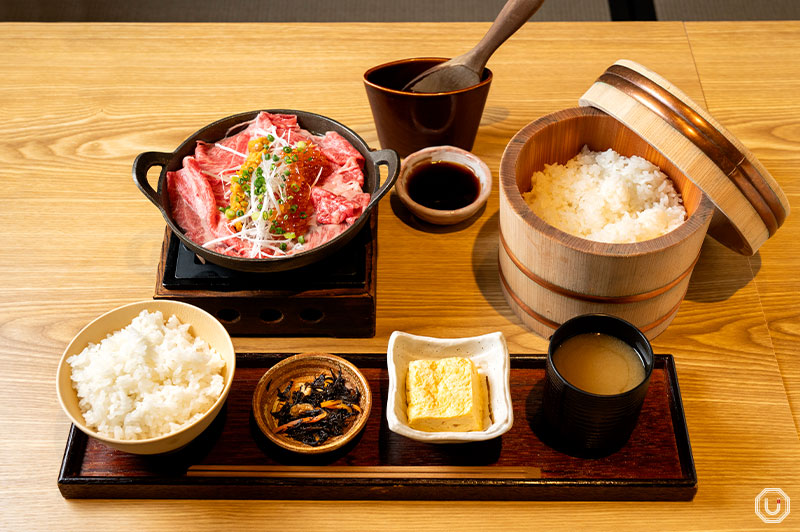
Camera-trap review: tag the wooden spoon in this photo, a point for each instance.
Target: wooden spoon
(466, 69)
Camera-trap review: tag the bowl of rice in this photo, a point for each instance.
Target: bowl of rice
(594, 219)
(147, 377)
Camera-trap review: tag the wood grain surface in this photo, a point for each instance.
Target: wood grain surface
(80, 101)
(757, 96)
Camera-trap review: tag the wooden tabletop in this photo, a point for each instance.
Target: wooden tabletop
(79, 102)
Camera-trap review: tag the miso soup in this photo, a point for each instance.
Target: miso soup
(599, 363)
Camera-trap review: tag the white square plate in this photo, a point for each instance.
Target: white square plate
(489, 353)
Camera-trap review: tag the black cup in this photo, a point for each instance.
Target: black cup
(585, 424)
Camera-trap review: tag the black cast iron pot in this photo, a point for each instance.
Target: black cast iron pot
(316, 124)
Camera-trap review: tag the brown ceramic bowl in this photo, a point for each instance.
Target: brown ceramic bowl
(409, 121)
(444, 154)
(305, 367)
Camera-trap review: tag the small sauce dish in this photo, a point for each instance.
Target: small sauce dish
(443, 185)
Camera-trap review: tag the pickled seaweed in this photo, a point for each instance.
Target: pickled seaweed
(313, 412)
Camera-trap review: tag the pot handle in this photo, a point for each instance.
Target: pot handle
(392, 161)
(141, 165)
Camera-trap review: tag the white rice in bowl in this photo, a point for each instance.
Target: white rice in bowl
(606, 197)
(146, 380)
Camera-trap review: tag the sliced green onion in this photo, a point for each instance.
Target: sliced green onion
(301, 240)
(283, 246)
(289, 236)
(270, 138)
(301, 145)
(287, 149)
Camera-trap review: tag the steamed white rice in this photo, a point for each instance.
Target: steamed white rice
(606, 197)
(147, 379)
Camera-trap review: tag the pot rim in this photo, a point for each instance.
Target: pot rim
(508, 186)
(484, 80)
(173, 161)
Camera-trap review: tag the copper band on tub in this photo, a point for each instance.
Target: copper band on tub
(555, 325)
(705, 137)
(525, 308)
(614, 300)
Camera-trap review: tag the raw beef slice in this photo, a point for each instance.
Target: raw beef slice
(333, 209)
(194, 206)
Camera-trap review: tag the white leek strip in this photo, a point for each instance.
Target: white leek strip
(220, 146)
(272, 130)
(317, 179)
(229, 170)
(255, 229)
(272, 181)
(264, 132)
(219, 240)
(239, 128)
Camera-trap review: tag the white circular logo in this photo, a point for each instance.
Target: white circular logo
(772, 505)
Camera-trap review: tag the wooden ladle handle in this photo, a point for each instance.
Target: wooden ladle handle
(511, 18)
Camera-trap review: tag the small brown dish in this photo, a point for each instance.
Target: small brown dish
(442, 190)
(304, 368)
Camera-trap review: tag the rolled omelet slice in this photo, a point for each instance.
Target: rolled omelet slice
(446, 395)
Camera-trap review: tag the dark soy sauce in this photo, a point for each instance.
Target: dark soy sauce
(443, 185)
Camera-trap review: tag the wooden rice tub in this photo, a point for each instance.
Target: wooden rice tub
(549, 276)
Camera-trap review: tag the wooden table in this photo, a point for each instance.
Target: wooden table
(79, 102)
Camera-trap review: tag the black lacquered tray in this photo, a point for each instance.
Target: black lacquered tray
(233, 460)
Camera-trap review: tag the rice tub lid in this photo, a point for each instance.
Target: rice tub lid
(750, 204)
